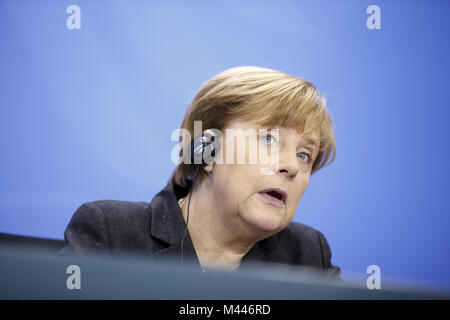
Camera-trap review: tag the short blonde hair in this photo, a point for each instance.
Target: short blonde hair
(247, 92)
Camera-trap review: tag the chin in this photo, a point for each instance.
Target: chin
(268, 228)
(265, 223)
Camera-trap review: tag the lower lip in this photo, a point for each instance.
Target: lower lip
(272, 200)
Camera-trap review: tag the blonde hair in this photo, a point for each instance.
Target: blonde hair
(274, 97)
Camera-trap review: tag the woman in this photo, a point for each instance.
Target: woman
(224, 214)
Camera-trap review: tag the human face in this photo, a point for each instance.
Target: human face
(247, 197)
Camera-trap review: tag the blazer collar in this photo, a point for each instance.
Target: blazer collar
(167, 223)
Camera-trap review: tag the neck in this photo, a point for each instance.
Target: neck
(216, 235)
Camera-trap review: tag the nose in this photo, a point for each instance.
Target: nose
(288, 164)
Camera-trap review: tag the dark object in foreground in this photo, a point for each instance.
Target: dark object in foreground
(37, 273)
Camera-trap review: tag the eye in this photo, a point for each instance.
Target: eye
(267, 138)
(304, 157)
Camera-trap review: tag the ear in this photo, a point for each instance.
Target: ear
(209, 168)
(217, 134)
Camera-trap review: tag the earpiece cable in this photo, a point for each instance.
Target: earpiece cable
(187, 215)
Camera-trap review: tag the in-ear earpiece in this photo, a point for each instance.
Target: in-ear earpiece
(204, 149)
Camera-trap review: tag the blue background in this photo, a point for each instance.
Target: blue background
(87, 114)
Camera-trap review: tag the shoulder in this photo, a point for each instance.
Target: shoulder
(108, 224)
(113, 209)
(112, 212)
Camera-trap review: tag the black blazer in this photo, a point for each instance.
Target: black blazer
(157, 229)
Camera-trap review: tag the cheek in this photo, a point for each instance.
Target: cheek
(234, 183)
(242, 181)
(298, 192)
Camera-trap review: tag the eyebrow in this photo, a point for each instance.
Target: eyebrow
(312, 142)
(309, 142)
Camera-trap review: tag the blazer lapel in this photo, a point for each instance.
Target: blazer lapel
(167, 225)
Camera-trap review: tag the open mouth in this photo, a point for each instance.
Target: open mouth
(274, 195)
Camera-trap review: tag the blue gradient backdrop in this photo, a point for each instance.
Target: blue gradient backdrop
(87, 114)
